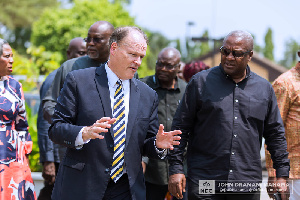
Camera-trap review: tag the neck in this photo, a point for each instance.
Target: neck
(239, 79)
(101, 60)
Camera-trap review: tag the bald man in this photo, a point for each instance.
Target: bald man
(97, 53)
(50, 153)
(170, 90)
(224, 113)
(77, 48)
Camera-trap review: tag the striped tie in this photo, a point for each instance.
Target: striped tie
(119, 133)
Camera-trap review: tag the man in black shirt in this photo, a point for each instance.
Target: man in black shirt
(223, 116)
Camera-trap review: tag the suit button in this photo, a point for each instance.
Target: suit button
(111, 146)
(107, 170)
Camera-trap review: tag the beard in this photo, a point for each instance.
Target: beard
(93, 55)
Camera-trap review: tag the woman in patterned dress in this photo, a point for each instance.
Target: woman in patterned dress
(15, 142)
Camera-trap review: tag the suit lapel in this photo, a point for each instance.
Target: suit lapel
(133, 108)
(102, 87)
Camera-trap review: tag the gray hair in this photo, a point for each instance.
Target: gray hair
(121, 32)
(2, 42)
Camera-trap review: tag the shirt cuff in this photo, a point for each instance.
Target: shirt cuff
(79, 141)
(161, 153)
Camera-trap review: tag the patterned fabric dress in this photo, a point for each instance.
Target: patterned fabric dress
(15, 143)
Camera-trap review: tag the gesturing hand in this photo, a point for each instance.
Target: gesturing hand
(166, 140)
(100, 126)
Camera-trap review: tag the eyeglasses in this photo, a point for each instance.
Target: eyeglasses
(95, 40)
(168, 66)
(236, 54)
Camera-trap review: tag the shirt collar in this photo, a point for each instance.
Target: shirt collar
(113, 78)
(157, 85)
(248, 71)
(297, 67)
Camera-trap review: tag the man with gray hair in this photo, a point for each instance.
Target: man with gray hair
(225, 112)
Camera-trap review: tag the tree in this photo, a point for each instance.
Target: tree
(57, 27)
(269, 47)
(204, 47)
(290, 56)
(16, 18)
(156, 43)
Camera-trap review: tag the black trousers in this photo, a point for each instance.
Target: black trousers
(119, 190)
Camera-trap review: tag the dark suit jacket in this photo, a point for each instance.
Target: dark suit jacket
(85, 173)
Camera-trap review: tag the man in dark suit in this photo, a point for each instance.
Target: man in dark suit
(98, 164)
(51, 154)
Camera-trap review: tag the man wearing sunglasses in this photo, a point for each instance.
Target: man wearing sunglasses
(170, 90)
(97, 54)
(224, 113)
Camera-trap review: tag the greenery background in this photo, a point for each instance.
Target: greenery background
(39, 31)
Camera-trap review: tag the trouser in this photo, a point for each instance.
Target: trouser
(158, 192)
(119, 190)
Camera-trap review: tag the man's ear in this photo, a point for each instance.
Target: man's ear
(113, 48)
(68, 54)
(299, 54)
(250, 55)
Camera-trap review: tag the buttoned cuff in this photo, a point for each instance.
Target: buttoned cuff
(283, 172)
(79, 141)
(175, 169)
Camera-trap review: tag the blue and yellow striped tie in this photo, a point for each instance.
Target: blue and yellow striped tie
(119, 133)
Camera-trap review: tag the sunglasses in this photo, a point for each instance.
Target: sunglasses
(168, 67)
(236, 54)
(95, 40)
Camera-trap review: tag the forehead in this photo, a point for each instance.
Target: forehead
(236, 42)
(6, 48)
(98, 30)
(169, 56)
(135, 41)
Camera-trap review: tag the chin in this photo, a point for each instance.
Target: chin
(93, 55)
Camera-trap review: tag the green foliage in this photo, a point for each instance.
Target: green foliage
(156, 43)
(290, 56)
(34, 157)
(41, 62)
(24, 66)
(204, 47)
(16, 18)
(57, 27)
(268, 50)
(44, 61)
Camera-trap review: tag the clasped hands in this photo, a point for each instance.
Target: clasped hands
(164, 140)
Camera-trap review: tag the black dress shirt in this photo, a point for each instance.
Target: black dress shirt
(224, 123)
